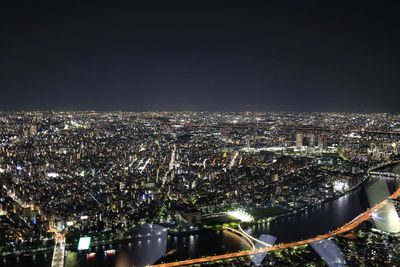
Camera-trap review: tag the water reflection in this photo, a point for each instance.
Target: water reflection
(302, 225)
(328, 217)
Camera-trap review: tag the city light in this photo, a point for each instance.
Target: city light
(84, 243)
(240, 215)
(190, 133)
(110, 177)
(339, 186)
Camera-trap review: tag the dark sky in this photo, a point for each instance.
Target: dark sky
(200, 55)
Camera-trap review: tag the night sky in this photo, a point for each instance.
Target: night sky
(200, 55)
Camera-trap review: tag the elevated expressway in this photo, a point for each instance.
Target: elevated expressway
(345, 228)
(59, 251)
(243, 234)
(252, 238)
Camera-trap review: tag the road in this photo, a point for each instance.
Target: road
(59, 251)
(240, 232)
(345, 228)
(252, 238)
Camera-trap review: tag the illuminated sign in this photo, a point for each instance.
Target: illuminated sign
(84, 243)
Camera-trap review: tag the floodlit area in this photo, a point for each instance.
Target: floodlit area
(340, 186)
(240, 215)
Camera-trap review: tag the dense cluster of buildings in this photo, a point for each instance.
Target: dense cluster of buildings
(90, 172)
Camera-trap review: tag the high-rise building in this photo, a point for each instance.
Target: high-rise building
(33, 130)
(322, 144)
(299, 140)
(312, 140)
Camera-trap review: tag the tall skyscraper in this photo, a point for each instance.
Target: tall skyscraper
(299, 140)
(312, 140)
(322, 144)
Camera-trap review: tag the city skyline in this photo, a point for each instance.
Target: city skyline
(179, 133)
(95, 188)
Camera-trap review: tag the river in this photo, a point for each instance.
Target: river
(302, 225)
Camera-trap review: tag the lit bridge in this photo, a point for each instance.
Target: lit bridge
(59, 251)
(242, 233)
(345, 228)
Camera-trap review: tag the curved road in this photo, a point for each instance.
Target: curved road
(345, 228)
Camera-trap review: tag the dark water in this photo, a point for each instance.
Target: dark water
(142, 251)
(26, 261)
(327, 217)
(302, 225)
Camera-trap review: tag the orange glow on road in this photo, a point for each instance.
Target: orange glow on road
(345, 228)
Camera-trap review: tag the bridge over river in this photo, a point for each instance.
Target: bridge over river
(59, 251)
(327, 219)
(321, 221)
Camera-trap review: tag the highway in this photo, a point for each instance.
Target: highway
(252, 238)
(59, 251)
(240, 232)
(345, 228)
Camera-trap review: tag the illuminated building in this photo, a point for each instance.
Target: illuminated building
(322, 144)
(299, 140)
(312, 140)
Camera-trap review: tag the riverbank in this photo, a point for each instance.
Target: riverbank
(292, 212)
(218, 225)
(366, 178)
(205, 230)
